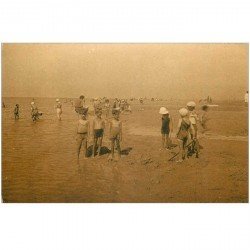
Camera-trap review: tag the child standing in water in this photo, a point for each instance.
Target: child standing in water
(58, 107)
(34, 112)
(115, 132)
(82, 134)
(185, 128)
(165, 128)
(193, 117)
(16, 112)
(98, 130)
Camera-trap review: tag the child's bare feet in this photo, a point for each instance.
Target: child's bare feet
(110, 158)
(179, 161)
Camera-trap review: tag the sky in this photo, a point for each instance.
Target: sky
(178, 71)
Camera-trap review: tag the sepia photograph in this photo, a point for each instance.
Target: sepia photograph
(125, 123)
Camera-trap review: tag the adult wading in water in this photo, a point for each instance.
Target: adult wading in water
(58, 107)
(35, 114)
(80, 105)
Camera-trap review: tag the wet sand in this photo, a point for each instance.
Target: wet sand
(39, 159)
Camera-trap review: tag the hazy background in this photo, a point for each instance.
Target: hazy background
(125, 70)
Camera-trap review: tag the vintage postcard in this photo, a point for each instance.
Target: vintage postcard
(165, 123)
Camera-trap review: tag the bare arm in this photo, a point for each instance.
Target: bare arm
(178, 127)
(120, 131)
(171, 125)
(110, 128)
(76, 129)
(88, 128)
(103, 125)
(191, 129)
(93, 127)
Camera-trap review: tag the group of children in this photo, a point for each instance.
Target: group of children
(99, 126)
(186, 130)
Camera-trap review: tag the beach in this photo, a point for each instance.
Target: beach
(39, 159)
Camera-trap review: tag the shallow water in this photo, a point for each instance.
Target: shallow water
(39, 159)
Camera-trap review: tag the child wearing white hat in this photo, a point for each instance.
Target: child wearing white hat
(184, 129)
(58, 107)
(165, 128)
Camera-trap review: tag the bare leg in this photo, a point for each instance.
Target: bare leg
(118, 148)
(167, 141)
(79, 145)
(85, 144)
(180, 143)
(94, 147)
(100, 146)
(112, 149)
(163, 140)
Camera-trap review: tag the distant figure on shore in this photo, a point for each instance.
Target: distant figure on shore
(34, 112)
(58, 107)
(141, 104)
(204, 118)
(97, 104)
(115, 133)
(16, 112)
(98, 131)
(82, 134)
(165, 128)
(107, 108)
(3, 105)
(246, 99)
(80, 105)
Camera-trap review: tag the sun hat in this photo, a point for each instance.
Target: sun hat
(163, 111)
(57, 100)
(183, 112)
(32, 103)
(191, 104)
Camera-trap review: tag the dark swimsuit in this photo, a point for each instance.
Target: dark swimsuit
(98, 133)
(165, 125)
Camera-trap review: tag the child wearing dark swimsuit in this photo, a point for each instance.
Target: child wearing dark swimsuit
(82, 134)
(98, 131)
(165, 129)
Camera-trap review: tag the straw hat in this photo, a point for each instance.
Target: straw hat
(191, 104)
(163, 111)
(57, 100)
(32, 103)
(183, 112)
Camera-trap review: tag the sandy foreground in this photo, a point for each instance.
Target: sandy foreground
(39, 160)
